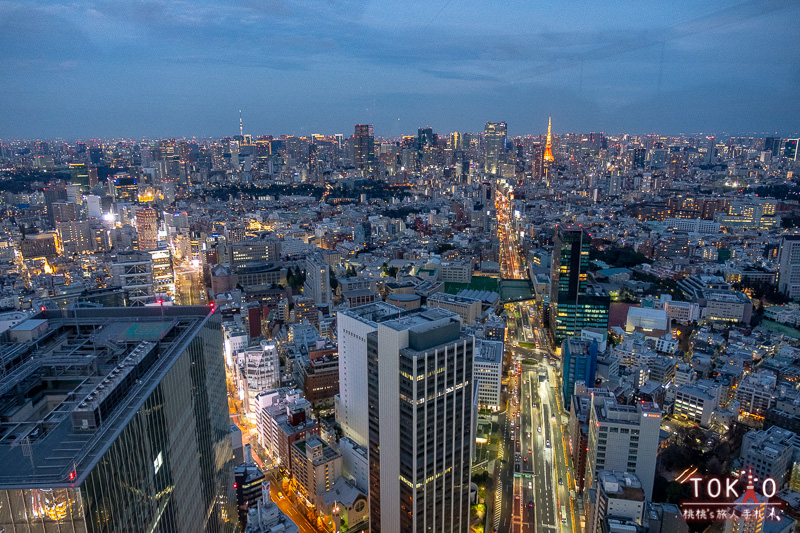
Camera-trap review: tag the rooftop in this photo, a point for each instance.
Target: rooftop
(65, 395)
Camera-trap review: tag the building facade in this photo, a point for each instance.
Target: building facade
(143, 445)
(789, 267)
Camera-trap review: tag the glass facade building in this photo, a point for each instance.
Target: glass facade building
(135, 435)
(573, 306)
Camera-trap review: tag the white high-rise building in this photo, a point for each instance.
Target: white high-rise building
(623, 438)
(235, 339)
(421, 423)
(619, 501)
(353, 326)
(488, 372)
(317, 284)
(407, 395)
(789, 269)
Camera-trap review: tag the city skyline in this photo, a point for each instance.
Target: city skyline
(158, 69)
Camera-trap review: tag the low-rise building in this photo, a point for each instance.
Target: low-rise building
(284, 418)
(469, 309)
(618, 498)
(769, 453)
(317, 466)
(695, 404)
(727, 306)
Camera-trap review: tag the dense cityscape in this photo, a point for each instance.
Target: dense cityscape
(466, 331)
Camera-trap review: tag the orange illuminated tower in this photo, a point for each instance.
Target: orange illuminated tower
(548, 149)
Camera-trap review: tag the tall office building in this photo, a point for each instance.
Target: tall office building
(364, 149)
(421, 406)
(265, 248)
(353, 326)
(64, 212)
(124, 188)
(494, 138)
(573, 304)
(147, 229)
(116, 421)
(711, 150)
(773, 144)
(426, 138)
(789, 267)
(318, 284)
(623, 438)
(579, 363)
(418, 406)
(790, 149)
(75, 236)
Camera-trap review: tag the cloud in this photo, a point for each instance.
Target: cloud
(317, 65)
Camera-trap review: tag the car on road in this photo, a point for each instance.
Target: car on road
(539, 429)
(560, 481)
(548, 444)
(530, 503)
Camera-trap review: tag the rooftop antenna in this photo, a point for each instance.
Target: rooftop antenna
(241, 128)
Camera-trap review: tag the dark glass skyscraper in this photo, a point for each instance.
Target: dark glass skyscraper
(116, 420)
(364, 149)
(573, 306)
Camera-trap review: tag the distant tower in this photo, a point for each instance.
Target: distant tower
(548, 149)
(241, 126)
(495, 144)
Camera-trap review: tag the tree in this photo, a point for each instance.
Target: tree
(332, 280)
(677, 492)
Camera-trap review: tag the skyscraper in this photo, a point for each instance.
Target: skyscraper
(147, 229)
(317, 284)
(415, 413)
(573, 306)
(789, 266)
(494, 135)
(773, 144)
(421, 406)
(790, 149)
(353, 326)
(364, 149)
(131, 431)
(548, 147)
(623, 438)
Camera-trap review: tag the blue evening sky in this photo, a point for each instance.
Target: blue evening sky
(111, 68)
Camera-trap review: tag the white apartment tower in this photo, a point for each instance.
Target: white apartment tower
(317, 284)
(623, 438)
(353, 326)
(789, 269)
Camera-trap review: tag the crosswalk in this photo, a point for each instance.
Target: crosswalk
(498, 501)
